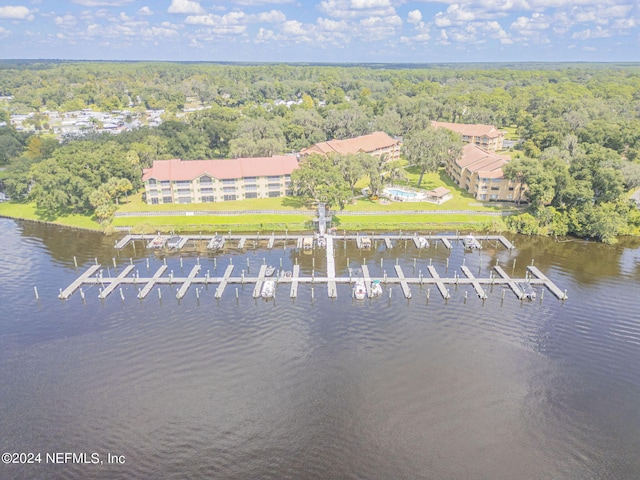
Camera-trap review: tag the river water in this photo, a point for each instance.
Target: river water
(320, 388)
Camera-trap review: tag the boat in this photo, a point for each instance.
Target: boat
(307, 243)
(376, 288)
(269, 271)
(365, 242)
(321, 242)
(157, 242)
(528, 292)
(216, 243)
(470, 242)
(286, 274)
(268, 289)
(359, 290)
(423, 242)
(174, 241)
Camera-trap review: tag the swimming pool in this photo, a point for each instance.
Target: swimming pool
(396, 192)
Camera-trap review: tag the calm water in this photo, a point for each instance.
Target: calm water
(323, 389)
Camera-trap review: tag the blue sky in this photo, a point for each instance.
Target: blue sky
(322, 30)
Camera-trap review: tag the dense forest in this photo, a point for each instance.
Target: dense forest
(578, 126)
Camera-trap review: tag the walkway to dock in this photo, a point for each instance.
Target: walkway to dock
(513, 285)
(257, 290)
(331, 268)
(224, 281)
(67, 292)
(112, 286)
(187, 283)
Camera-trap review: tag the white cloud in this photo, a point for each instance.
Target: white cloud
(145, 11)
(4, 32)
(185, 6)
(231, 18)
(356, 8)
(414, 16)
(102, 3)
(67, 20)
(16, 13)
(273, 16)
(528, 26)
(256, 3)
(598, 32)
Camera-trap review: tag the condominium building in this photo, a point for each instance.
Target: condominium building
(197, 181)
(480, 173)
(377, 144)
(484, 136)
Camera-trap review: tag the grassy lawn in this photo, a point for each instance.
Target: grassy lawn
(265, 223)
(135, 204)
(28, 211)
(461, 200)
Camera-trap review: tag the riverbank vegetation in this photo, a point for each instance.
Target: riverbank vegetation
(577, 129)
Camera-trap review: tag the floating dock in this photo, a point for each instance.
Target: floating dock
(476, 285)
(547, 283)
(439, 283)
(150, 284)
(513, 284)
(403, 282)
(225, 280)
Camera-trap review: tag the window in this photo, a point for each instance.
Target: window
(206, 180)
(274, 186)
(206, 190)
(274, 178)
(154, 201)
(184, 200)
(250, 188)
(228, 189)
(208, 198)
(184, 191)
(495, 188)
(251, 195)
(183, 183)
(483, 197)
(493, 197)
(511, 189)
(228, 198)
(152, 181)
(229, 181)
(250, 179)
(274, 194)
(165, 183)
(167, 200)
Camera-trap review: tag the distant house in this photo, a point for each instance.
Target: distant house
(377, 144)
(480, 173)
(197, 181)
(484, 136)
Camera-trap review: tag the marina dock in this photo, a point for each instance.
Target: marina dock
(94, 275)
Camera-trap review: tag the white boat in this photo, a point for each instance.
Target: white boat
(269, 271)
(157, 242)
(174, 241)
(376, 288)
(470, 242)
(268, 289)
(423, 242)
(527, 290)
(360, 290)
(216, 243)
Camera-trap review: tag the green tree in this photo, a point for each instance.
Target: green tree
(430, 148)
(319, 179)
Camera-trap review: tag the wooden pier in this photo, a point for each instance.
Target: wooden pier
(112, 286)
(476, 285)
(403, 282)
(445, 241)
(187, 282)
(367, 280)
(257, 290)
(439, 283)
(513, 285)
(67, 292)
(547, 283)
(331, 269)
(150, 284)
(225, 279)
(294, 281)
(387, 243)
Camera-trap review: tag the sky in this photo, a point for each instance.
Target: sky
(331, 31)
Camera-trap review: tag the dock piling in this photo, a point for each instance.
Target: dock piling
(35, 290)
(75, 262)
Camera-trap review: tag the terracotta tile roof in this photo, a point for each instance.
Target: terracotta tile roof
(365, 143)
(486, 164)
(471, 130)
(177, 169)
